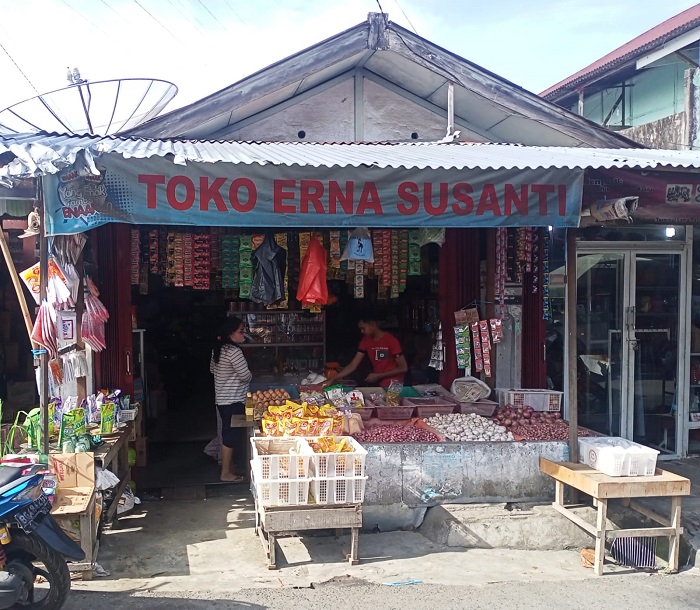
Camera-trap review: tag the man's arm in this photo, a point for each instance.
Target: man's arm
(349, 369)
(400, 368)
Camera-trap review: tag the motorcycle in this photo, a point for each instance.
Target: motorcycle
(33, 547)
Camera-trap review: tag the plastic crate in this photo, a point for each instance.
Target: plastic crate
(365, 412)
(485, 408)
(273, 461)
(539, 400)
(339, 490)
(431, 390)
(281, 492)
(470, 391)
(433, 404)
(340, 465)
(387, 412)
(128, 414)
(618, 457)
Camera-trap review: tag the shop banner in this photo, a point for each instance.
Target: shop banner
(158, 192)
(664, 197)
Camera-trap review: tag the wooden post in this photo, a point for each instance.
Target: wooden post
(44, 357)
(580, 102)
(571, 279)
(491, 292)
(18, 286)
(81, 382)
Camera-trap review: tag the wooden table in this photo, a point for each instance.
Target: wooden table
(602, 488)
(270, 521)
(114, 456)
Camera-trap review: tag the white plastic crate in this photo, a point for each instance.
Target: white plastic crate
(607, 458)
(338, 490)
(281, 492)
(128, 414)
(280, 458)
(333, 465)
(539, 400)
(617, 457)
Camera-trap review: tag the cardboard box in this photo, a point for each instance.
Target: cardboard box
(75, 473)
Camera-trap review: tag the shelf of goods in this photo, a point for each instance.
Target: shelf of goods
(303, 484)
(284, 341)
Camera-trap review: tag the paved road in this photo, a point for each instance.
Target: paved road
(637, 592)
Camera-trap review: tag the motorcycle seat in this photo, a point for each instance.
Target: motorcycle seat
(10, 473)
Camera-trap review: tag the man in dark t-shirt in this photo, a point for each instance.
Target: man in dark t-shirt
(384, 353)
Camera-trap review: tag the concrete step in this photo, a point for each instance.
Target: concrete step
(536, 527)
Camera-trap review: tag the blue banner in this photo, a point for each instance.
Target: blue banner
(156, 191)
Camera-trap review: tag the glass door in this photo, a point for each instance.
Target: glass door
(653, 317)
(628, 320)
(602, 359)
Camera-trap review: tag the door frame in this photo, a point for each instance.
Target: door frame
(684, 249)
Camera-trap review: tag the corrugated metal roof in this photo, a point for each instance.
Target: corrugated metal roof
(38, 154)
(642, 44)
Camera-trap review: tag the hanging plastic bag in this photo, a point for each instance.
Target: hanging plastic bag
(359, 247)
(313, 289)
(431, 236)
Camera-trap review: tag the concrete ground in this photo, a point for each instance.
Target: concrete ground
(690, 515)
(640, 591)
(173, 548)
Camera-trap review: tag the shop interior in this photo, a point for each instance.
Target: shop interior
(629, 281)
(179, 325)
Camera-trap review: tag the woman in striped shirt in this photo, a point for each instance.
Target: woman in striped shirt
(231, 381)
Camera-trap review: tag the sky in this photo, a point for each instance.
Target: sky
(205, 45)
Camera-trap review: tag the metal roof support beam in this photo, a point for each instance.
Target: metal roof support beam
(359, 81)
(450, 108)
(292, 101)
(412, 97)
(672, 46)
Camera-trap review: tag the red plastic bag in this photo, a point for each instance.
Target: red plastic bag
(313, 289)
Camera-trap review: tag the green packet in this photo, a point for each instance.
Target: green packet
(108, 413)
(335, 393)
(33, 425)
(75, 421)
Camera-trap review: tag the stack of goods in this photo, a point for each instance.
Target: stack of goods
(230, 245)
(135, 256)
(245, 266)
(175, 270)
(458, 427)
(201, 268)
(215, 255)
(545, 277)
(154, 251)
(534, 425)
(188, 260)
(262, 400)
(397, 433)
(414, 255)
(295, 419)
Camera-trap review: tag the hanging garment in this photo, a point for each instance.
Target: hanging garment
(269, 267)
(313, 289)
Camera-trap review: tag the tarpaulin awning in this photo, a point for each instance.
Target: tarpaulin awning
(93, 180)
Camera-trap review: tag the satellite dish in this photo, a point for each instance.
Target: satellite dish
(99, 108)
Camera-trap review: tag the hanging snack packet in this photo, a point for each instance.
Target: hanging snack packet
(108, 413)
(93, 410)
(393, 393)
(496, 330)
(55, 407)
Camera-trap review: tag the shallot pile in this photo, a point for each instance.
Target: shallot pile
(395, 433)
(472, 427)
(534, 425)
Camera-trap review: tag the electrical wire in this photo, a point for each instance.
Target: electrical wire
(145, 10)
(213, 16)
(396, 2)
(12, 59)
(386, 17)
(235, 12)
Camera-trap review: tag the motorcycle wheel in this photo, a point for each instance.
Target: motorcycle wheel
(51, 575)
